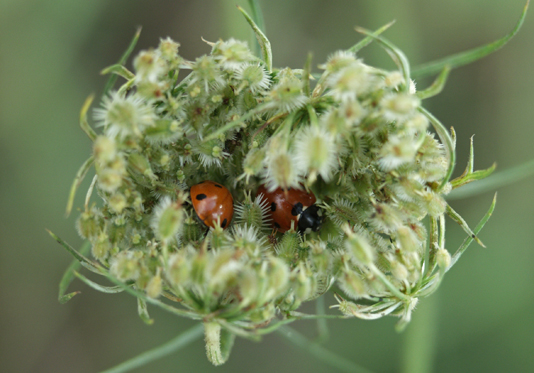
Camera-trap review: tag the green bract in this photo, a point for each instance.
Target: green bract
(358, 138)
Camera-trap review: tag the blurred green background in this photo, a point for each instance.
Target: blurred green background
(51, 53)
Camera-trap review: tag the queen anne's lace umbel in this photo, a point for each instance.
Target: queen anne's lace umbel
(357, 137)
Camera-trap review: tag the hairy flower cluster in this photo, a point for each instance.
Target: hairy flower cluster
(358, 139)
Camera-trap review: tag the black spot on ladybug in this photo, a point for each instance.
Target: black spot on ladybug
(276, 225)
(200, 197)
(297, 209)
(273, 206)
(218, 186)
(223, 225)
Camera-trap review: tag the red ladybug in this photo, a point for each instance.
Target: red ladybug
(293, 205)
(211, 201)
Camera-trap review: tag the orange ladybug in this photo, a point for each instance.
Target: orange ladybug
(293, 205)
(211, 201)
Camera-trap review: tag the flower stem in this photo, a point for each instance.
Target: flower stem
(319, 352)
(165, 349)
(420, 339)
(322, 326)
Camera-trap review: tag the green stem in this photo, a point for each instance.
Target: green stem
(322, 326)
(396, 292)
(319, 352)
(165, 349)
(420, 339)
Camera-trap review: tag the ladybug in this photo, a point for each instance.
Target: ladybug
(293, 205)
(212, 201)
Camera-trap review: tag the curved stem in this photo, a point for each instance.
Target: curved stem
(446, 140)
(165, 349)
(319, 352)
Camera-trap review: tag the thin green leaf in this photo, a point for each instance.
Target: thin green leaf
(294, 315)
(68, 276)
(320, 353)
(232, 328)
(476, 231)
(119, 70)
(80, 175)
(98, 287)
(79, 257)
(147, 299)
(477, 175)
(257, 16)
(113, 78)
(369, 39)
(433, 241)
(453, 137)
(90, 192)
(125, 88)
(265, 44)
(496, 181)
(447, 142)
(472, 55)
(392, 288)
(84, 124)
(462, 223)
(395, 53)
(142, 310)
(437, 86)
(165, 349)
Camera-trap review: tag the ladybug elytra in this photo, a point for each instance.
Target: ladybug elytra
(293, 205)
(212, 201)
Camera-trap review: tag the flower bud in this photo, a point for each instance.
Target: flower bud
(231, 53)
(287, 95)
(178, 269)
(399, 106)
(154, 286)
(125, 266)
(249, 286)
(253, 163)
(352, 284)
(443, 258)
(253, 76)
(101, 247)
(167, 219)
(109, 180)
(315, 152)
(90, 224)
(148, 66)
(104, 149)
(139, 162)
(168, 50)
(118, 202)
(407, 239)
(357, 245)
(398, 270)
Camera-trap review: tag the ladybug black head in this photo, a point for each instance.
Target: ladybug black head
(311, 218)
